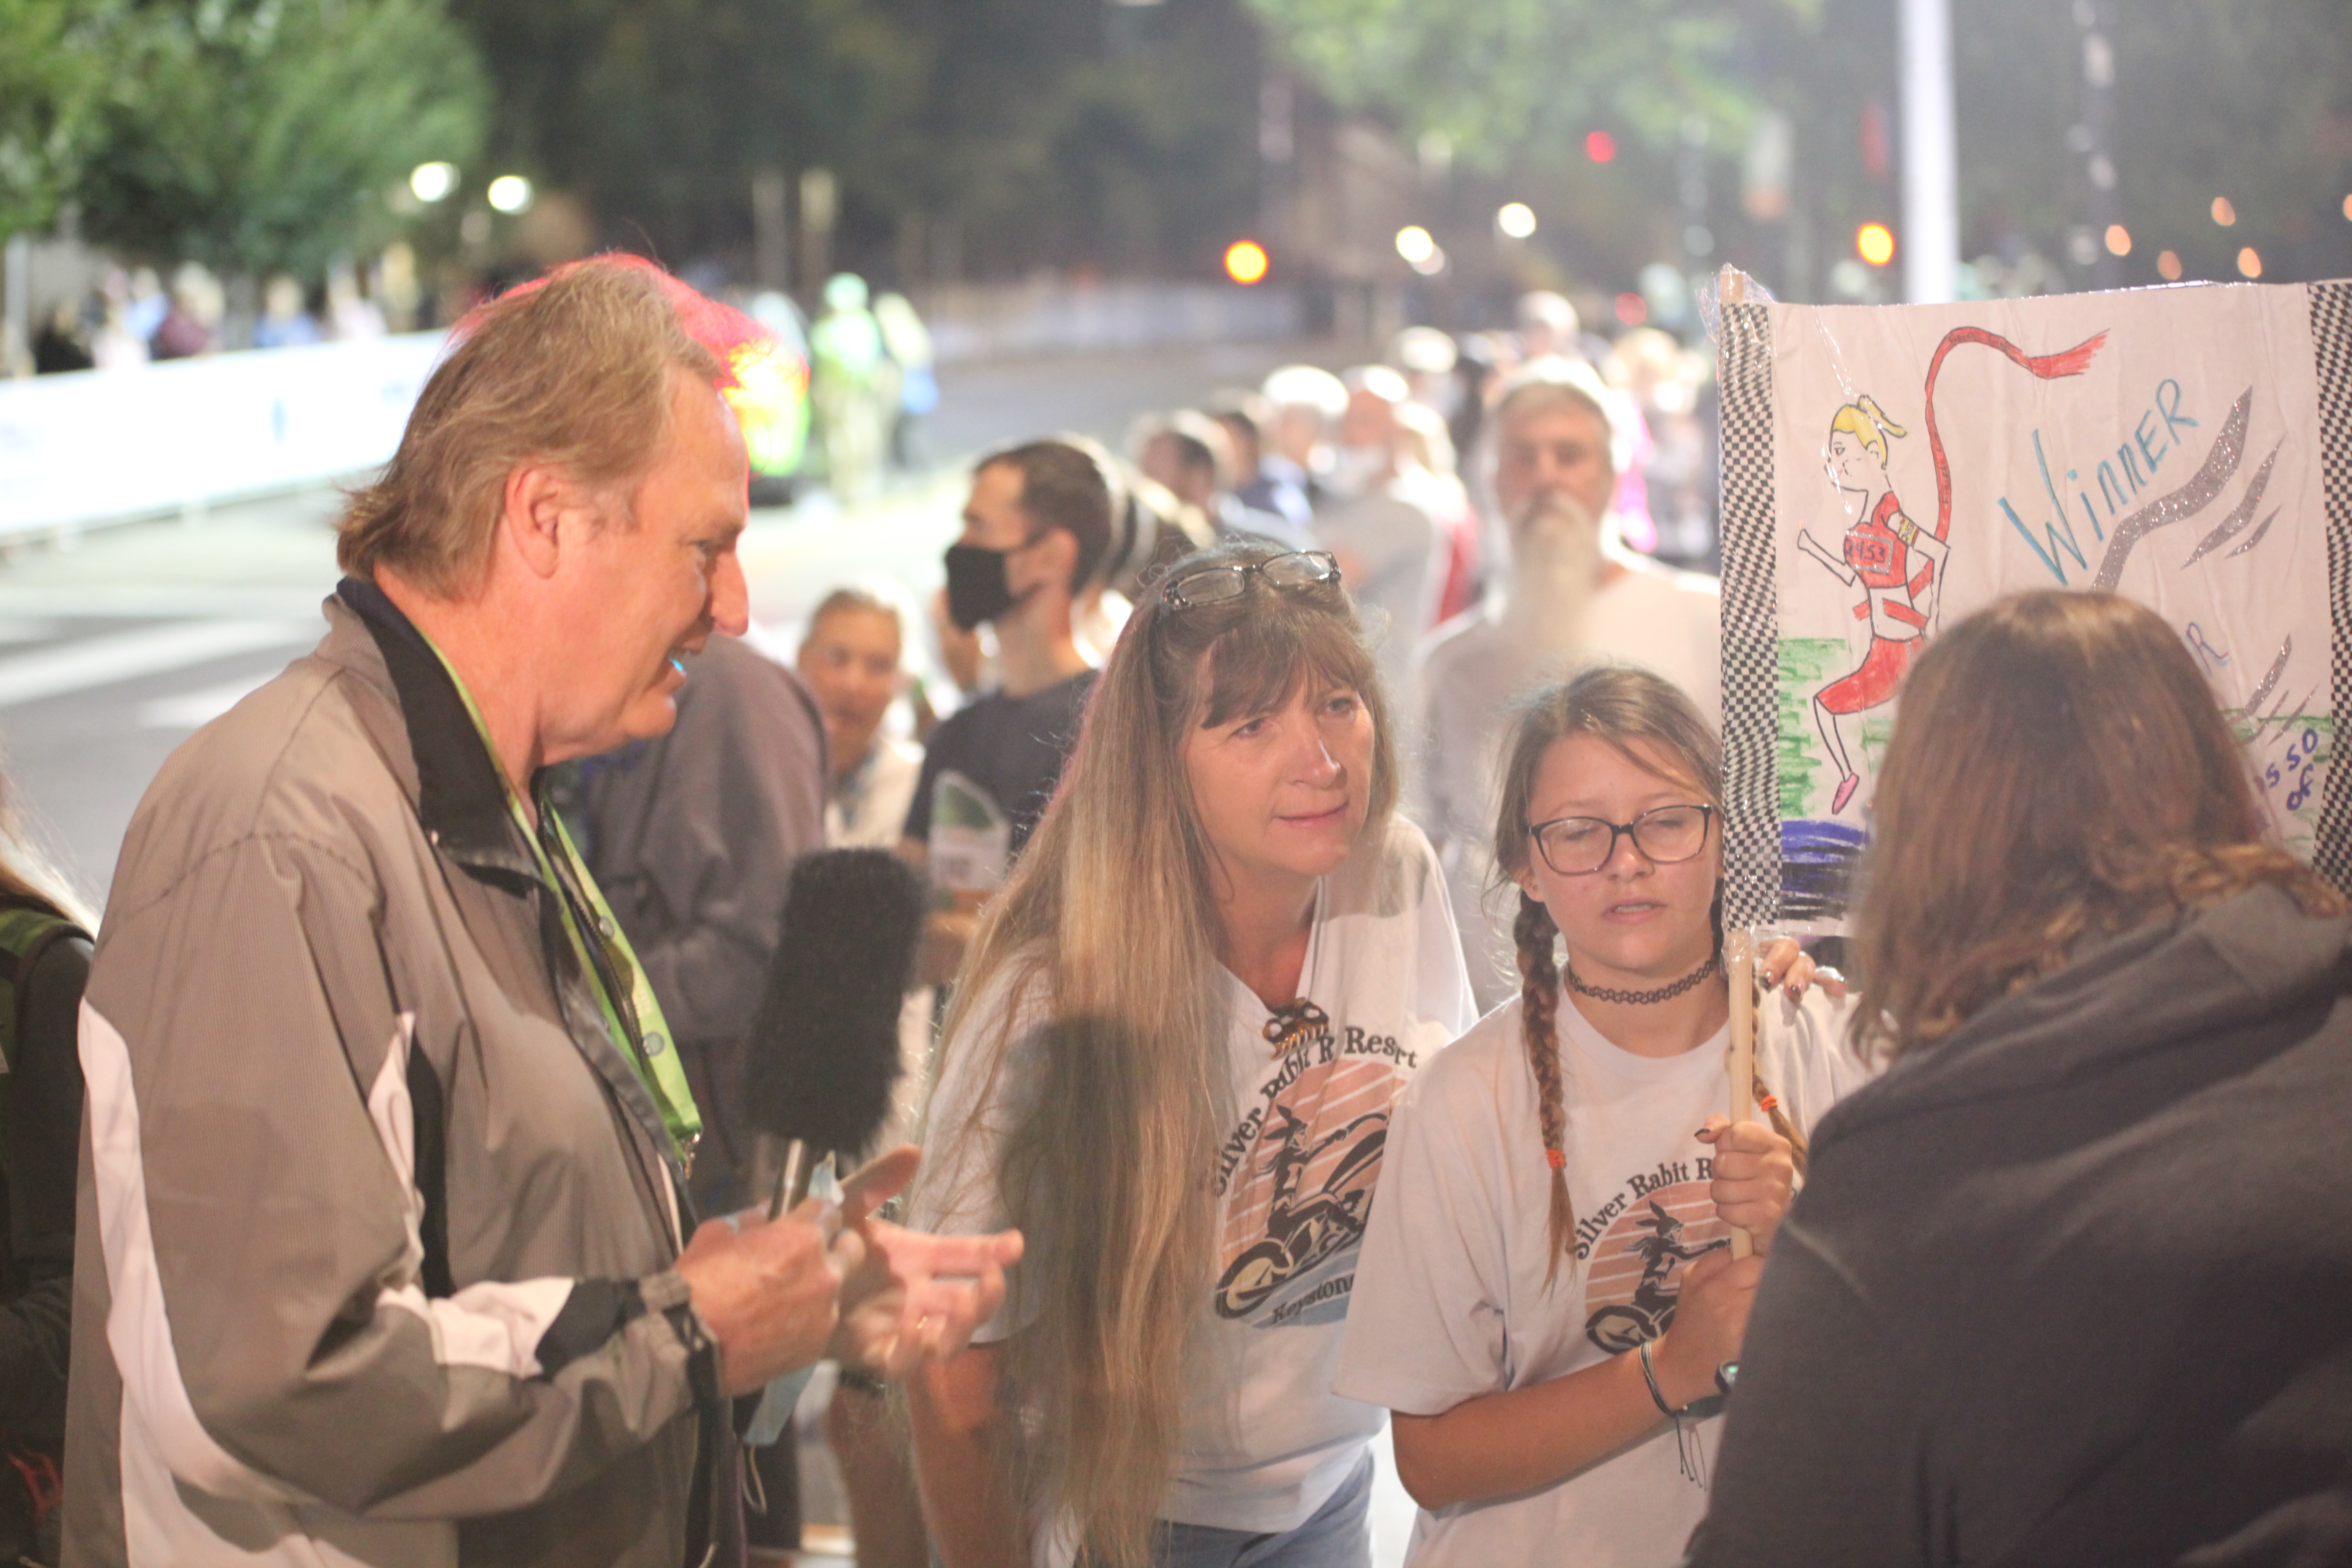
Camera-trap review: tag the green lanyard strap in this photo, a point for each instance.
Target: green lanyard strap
(633, 1014)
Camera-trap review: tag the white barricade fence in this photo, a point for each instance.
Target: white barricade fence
(99, 446)
(95, 446)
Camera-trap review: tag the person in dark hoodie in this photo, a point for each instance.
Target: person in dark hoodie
(2072, 1283)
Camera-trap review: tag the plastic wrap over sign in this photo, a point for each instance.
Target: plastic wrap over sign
(1889, 468)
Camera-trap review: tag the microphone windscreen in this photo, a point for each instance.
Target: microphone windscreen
(824, 1052)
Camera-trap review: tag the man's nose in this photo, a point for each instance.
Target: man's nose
(731, 597)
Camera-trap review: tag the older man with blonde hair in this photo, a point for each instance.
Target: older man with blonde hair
(384, 1250)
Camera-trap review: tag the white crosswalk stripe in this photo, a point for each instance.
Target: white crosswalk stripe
(114, 657)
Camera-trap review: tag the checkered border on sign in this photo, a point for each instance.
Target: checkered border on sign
(1752, 624)
(2331, 342)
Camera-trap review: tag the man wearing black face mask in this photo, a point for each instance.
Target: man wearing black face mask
(1036, 530)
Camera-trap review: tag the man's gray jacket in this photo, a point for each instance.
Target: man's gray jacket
(377, 1223)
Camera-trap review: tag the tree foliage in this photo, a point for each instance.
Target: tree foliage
(53, 62)
(1511, 81)
(258, 134)
(2250, 98)
(1017, 132)
(2247, 98)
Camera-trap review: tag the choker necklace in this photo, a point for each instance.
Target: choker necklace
(1641, 998)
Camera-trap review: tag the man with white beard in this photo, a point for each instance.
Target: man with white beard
(1573, 596)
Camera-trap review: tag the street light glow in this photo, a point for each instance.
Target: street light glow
(432, 182)
(1515, 219)
(2118, 240)
(2250, 263)
(510, 194)
(1414, 244)
(1246, 261)
(2347, 210)
(2223, 213)
(1599, 146)
(2168, 266)
(1875, 243)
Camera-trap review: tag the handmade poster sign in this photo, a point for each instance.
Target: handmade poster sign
(1889, 468)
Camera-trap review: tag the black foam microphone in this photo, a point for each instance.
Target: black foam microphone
(824, 1052)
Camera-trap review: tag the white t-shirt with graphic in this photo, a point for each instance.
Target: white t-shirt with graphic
(1265, 1442)
(1450, 1302)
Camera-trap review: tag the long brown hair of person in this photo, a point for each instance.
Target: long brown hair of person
(1110, 926)
(2060, 772)
(28, 875)
(1656, 727)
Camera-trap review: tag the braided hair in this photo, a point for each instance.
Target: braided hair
(1624, 707)
(1538, 1027)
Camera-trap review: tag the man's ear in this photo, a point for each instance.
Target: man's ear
(539, 502)
(1056, 556)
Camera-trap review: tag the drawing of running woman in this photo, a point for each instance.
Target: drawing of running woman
(1898, 565)
(1901, 567)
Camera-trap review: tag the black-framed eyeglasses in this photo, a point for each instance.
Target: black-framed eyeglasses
(1230, 579)
(1573, 846)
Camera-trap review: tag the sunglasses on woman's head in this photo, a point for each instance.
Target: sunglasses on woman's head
(1230, 579)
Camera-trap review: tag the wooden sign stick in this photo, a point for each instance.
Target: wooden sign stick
(1740, 968)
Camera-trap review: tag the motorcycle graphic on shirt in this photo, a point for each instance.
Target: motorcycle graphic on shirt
(1298, 1175)
(1633, 1279)
(1304, 1227)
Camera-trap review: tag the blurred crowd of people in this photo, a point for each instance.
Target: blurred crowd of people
(130, 318)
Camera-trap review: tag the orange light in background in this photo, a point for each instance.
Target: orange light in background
(2250, 263)
(2347, 210)
(2118, 240)
(2223, 213)
(2168, 266)
(1632, 311)
(1875, 243)
(1599, 146)
(1246, 261)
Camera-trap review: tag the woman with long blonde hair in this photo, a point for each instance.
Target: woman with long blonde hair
(2069, 1286)
(1547, 1296)
(1172, 1059)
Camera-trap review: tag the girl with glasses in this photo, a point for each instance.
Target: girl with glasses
(1175, 1050)
(1547, 1299)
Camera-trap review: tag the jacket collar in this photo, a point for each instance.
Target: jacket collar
(2174, 984)
(461, 797)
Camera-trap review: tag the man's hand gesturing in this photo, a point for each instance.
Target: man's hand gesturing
(770, 1292)
(829, 1280)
